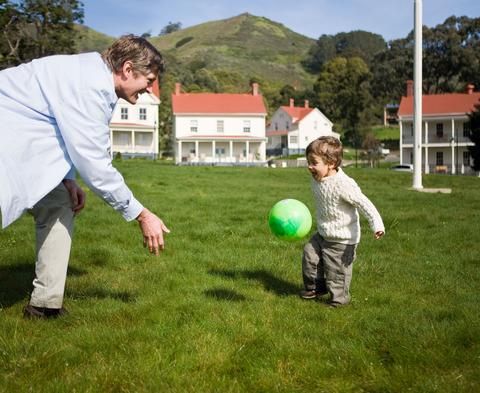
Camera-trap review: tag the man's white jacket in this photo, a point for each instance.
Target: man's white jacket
(54, 116)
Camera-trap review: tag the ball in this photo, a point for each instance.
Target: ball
(290, 219)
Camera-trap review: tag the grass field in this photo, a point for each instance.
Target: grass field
(218, 311)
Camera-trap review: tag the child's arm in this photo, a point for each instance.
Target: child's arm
(353, 195)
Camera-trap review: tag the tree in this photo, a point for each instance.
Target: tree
(343, 94)
(451, 59)
(37, 28)
(171, 28)
(474, 124)
(371, 145)
(353, 44)
(391, 69)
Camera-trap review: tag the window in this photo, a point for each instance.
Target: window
(466, 130)
(440, 131)
(220, 125)
(220, 151)
(315, 125)
(142, 113)
(276, 126)
(124, 113)
(439, 157)
(246, 126)
(411, 129)
(144, 139)
(293, 139)
(193, 126)
(287, 126)
(466, 158)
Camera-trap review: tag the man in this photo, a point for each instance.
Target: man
(55, 113)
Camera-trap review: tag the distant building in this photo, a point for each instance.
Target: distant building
(390, 114)
(445, 132)
(219, 129)
(134, 128)
(292, 128)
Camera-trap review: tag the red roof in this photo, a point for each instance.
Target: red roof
(210, 103)
(441, 104)
(297, 113)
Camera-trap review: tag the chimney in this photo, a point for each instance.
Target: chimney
(470, 88)
(409, 88)
(291, 103)
(178, 87)
(306, 104)
(255, 89)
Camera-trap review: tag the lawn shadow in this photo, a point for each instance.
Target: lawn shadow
(224, 294)
(16, 281)
(271, 283)
(102, 293)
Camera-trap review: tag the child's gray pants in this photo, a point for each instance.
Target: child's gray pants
(327, 268)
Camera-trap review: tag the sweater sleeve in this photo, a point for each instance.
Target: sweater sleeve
(353, 195)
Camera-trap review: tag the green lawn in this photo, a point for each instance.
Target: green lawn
(218, 311)
(389, 133)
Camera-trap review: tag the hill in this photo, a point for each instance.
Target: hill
(239, 49)
(89, 40)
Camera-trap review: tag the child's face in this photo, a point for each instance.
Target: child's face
(318, 168)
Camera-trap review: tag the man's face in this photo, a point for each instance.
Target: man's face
(133, 83)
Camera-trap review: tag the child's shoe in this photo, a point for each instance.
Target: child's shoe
(308, 294)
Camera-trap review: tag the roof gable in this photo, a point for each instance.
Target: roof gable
(441, 104)
(297, 113)
(212, 103)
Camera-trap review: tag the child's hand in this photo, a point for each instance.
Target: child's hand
(379, 234)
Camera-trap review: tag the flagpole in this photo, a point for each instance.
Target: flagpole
(417, 97)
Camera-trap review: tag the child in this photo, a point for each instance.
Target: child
(329, 255)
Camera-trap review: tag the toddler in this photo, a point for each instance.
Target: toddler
(329, 254)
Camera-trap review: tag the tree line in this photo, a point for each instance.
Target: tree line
(356, 73)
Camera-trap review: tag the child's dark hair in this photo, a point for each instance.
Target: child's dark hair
(328, 148)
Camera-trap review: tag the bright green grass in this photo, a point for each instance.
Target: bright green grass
(218, 311)
(386, 133)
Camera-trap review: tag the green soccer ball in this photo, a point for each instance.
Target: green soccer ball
(290, 219)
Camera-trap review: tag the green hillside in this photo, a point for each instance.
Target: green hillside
(89, 40)
(237, 49)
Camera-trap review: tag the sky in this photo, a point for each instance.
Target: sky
(392, 19)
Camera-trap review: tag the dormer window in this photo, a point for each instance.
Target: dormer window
(193, 126)
(142, 113)
(220, 126)
(124, 113)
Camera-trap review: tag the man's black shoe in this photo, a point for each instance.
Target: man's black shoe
(32, 312)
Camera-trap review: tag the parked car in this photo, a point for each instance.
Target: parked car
(402, 168)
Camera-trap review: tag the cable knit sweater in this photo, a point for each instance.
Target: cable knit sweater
(338, 199)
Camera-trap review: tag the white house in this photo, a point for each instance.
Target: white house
(134, 128)
(445, 130)
(293, 128)
(219, 129)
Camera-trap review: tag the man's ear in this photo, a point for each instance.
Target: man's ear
(127, 68)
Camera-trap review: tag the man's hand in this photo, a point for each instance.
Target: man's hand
(152, 229)
(77, 195)
(379, 234)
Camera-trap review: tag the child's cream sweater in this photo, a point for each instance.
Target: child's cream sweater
(338, 200)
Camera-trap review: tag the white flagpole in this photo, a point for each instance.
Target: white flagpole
(417, 97)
